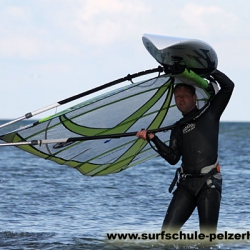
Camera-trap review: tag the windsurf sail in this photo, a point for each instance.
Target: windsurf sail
(85, 93)
(104, 128)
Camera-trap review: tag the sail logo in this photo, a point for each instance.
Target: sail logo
(188, 128)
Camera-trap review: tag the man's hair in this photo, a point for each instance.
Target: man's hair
(191, 88)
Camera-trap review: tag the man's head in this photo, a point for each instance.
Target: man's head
(185, 97)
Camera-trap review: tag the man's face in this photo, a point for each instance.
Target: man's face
(185, 100)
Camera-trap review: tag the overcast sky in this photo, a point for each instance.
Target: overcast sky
(53, 49)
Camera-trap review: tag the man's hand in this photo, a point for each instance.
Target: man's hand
(143, 134)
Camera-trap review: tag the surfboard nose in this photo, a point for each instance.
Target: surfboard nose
(195, 54)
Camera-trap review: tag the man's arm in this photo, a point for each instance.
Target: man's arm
(170, 153)
(222, 98)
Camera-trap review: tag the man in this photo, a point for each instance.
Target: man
(196, 142)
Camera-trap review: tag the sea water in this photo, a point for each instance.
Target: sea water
(44, 205)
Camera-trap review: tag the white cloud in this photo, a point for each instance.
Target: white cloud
(208, 20)
(90, 22)
(18, 37)
(19, 46)
(101, 24)
(16, 12)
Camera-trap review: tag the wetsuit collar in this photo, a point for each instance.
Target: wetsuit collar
(189, 116)
(194, 114)
(191, 113)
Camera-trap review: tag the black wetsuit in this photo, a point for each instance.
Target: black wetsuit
(196, 142)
